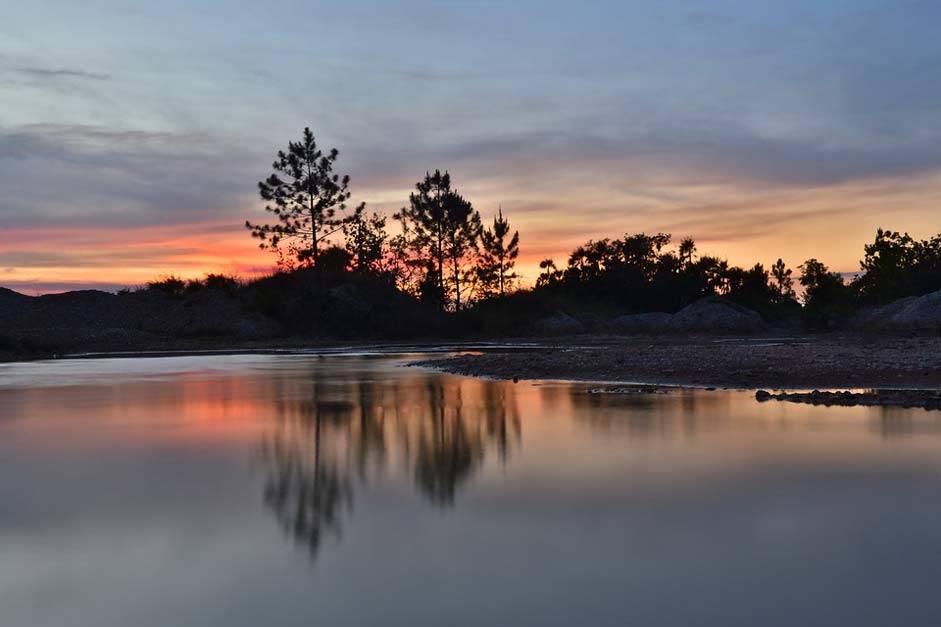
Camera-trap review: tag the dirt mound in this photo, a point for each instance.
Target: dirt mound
(915, 313)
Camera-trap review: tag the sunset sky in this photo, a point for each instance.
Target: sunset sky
(132, 135)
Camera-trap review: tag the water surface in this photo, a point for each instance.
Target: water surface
(349, 490)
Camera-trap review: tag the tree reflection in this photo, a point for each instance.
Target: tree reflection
(451, 437)
(649, 412)
(448, 449)
(306, 488)
(502, 418)
(897, 422)
(368, 438)
(335, 433)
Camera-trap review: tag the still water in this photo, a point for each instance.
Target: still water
(350, 490)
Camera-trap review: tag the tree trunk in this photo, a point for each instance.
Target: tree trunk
(313, 225)
(500, 259)
(442, 293)
(314, 253)
(457, 285)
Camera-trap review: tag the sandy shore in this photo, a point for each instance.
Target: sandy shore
(824, 361)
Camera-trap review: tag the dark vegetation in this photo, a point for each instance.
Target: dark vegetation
(435, 270)
(444, 257)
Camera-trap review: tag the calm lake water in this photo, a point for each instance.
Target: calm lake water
(349, 490)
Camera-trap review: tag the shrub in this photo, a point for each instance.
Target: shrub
(222, 283)
(172, 285)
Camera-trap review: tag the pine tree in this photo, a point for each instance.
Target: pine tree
(307, 198)
(498, 256)
(366, 241)
(550, 275)
(444, 230)
(784, 284)
(687, 250)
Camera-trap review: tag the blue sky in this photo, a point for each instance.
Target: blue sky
(763, 129)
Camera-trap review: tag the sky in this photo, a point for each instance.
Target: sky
(133, 134)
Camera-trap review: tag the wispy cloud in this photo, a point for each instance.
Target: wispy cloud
(54, 73)
(83, 175)
(421, 74)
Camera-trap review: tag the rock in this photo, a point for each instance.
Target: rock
(557, 323)
(90, 320)
(10, 298)
(348, 299)
(707, 315)
(717, 315)
(925, 399)
(629, 390)
(655, 322)
(915, 313)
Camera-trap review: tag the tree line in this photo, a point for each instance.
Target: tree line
(442, 253)
(641, 272)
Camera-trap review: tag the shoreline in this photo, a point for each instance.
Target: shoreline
(832, 362)
(601, 385)
(799, 362)
(324, 348)
(282, 347)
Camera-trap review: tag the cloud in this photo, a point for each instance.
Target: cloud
(54, 73)
(691, 152)
(85, 175)
(427, 75)
(101, 257)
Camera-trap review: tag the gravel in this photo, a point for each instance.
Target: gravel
(808, 362)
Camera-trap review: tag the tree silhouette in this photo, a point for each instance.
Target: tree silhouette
(644, 273)
(498, 255)
(444, 230)
(784, 284)
(307, 198)
(550, 275)
(896, 265)
(687, 250)
(825, 293)
(366, 239)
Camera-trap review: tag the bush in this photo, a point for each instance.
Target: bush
(827, 298)
(172, 285)
(222, 283)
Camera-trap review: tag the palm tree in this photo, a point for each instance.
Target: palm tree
(687, 249)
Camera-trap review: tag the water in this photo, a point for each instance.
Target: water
(348, 490)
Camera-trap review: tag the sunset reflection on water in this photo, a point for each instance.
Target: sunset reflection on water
(353, 490)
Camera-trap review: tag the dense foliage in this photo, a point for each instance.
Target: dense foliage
(897, 265)
(642, 273)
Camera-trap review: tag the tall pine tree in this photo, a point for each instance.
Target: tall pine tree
(307, 199)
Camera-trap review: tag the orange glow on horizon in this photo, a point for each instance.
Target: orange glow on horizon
(92, 256)
(741, 224)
